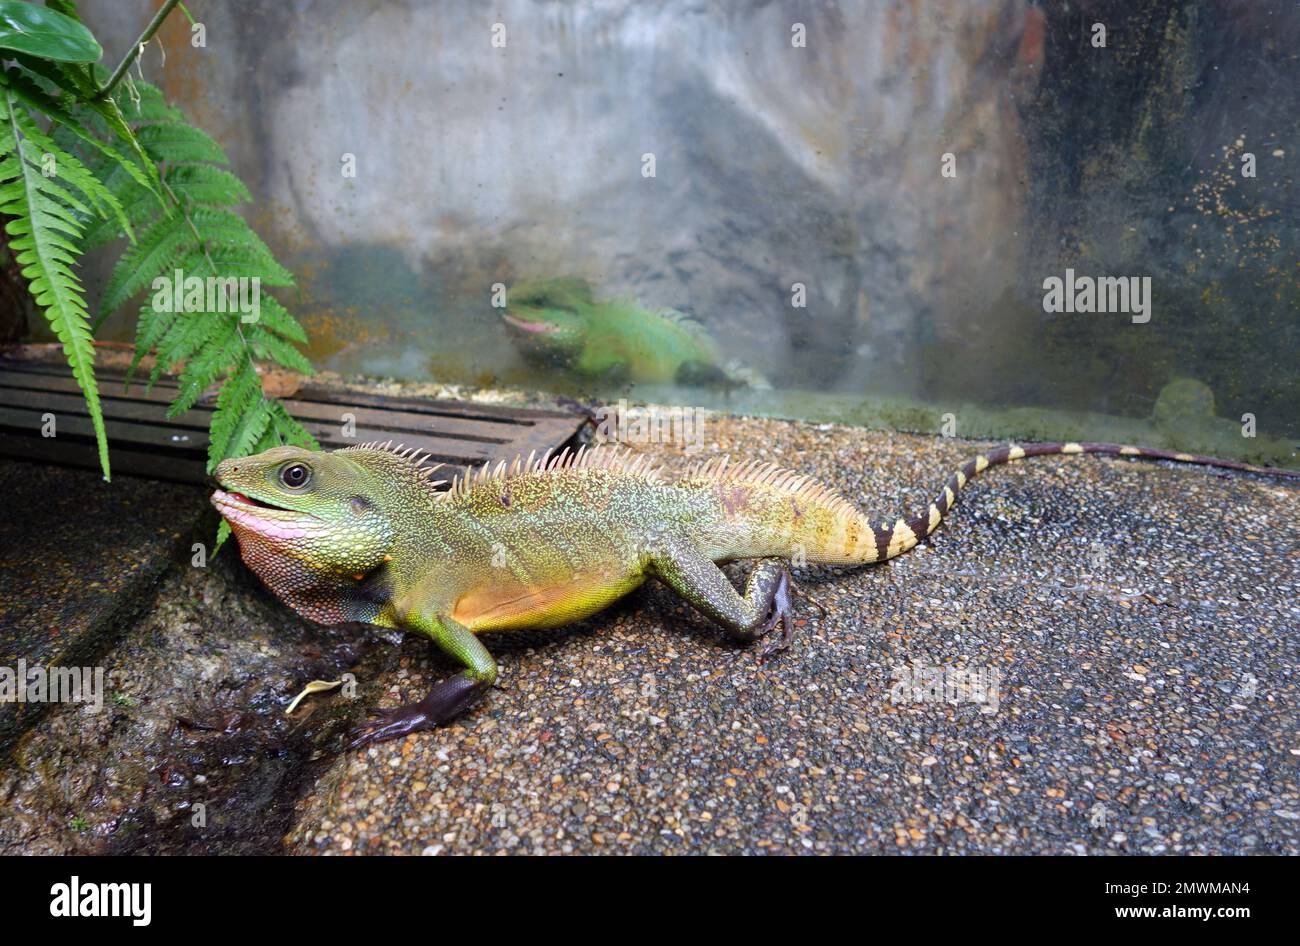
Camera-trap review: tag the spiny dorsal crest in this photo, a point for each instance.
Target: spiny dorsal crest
(411, 456)
(596, 458)
(798, 486)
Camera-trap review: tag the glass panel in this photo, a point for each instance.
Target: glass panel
(1045, 220)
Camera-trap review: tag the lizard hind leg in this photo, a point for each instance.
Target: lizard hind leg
(765, 603)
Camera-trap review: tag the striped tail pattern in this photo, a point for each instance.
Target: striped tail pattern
(905, 533)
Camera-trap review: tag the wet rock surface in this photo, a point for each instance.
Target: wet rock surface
(191, 751)
(79, 558)
(1134, 624)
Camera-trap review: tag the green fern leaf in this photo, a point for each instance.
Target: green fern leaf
(27, 91)
(223, 533)
(69, 169)
(153, 324)
(289, 430)
(187, 335)
(46, 69)
(231, 260)
(39, 241)
(250, 427)
(221, 228)
(241, 418)
(283, 430)
(219, 353)
(140, 205)
(276, 318)
(107, 110)
(149, 258)
(271, 346)
(205, 184)
(179, 143)
(141, 102)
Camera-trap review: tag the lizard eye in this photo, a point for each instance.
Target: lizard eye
(295, 475)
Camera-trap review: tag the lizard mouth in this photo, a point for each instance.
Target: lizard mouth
(233, 504)
(250, 501)
(535, 328)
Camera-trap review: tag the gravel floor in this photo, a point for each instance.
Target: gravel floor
(1138, 621)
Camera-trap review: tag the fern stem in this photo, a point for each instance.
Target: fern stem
(134, 51)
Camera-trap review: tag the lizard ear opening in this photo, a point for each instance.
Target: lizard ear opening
(360, 505)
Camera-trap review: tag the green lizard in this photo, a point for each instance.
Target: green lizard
(558, 322)
(363, 534)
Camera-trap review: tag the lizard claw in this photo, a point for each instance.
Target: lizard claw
(389, 724)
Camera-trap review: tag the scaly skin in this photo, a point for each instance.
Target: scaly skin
(361, 534)
(558, 321)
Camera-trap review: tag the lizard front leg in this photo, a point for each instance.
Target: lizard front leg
(766, 602)
(446, 700)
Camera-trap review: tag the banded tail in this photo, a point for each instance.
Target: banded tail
(773, 512)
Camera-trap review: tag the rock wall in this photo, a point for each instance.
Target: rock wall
(775, 164)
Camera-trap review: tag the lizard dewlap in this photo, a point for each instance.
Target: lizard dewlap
(363, 534)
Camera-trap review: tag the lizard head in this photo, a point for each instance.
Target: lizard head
(546, 319)
(302, 516)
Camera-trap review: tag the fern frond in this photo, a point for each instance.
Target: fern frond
(69, 169)
(289, 430)
(268, 345)
(231, 260)
(187, 336)
(223, 229)
(221, 351)
(41, 234)
(246, 422)
(27, 91)
(277, 319)
(179, 143)
(205, 184)
(199, 237)
(241, 417)
(128, 163)
(107, 110)
(147, 104)
(164, 240)
(140, 205)
(152, 326)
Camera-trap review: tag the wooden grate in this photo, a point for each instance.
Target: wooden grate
(142, 441)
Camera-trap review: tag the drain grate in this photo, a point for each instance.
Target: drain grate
(142, 441)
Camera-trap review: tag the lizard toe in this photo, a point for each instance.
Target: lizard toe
(389, 724)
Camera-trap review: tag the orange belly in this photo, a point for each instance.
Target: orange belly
(509, 606)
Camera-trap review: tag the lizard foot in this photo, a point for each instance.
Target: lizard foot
(783, 612)
(448, 699)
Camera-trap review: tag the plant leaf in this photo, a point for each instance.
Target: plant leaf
(179, 143)
(43, 32)
(157, 246)
(41, 232)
